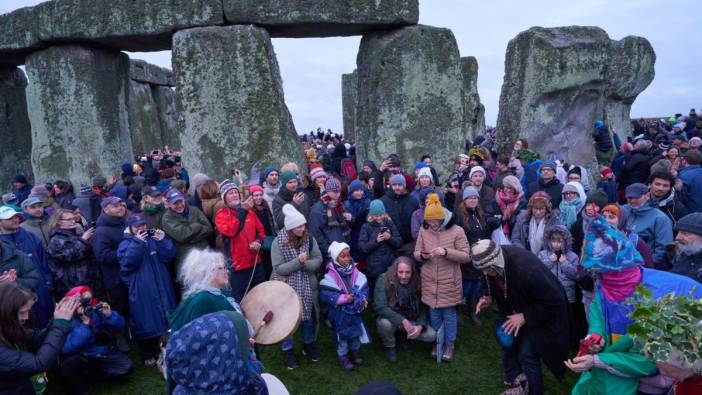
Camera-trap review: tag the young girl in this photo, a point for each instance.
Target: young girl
(345, 290)
(379, 239)
(558, 256)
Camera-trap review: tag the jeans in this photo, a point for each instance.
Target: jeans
(386, 331)
(239, 279)
(308, 332)
(470, 287)
(447, 316)
(344, 346)
(522, 358)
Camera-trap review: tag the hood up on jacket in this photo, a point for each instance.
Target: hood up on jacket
(561, 231)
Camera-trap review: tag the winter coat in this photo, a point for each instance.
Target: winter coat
(383, 309)
(327, 230)
(520, 232)
(29, 244)
(11, 258)
(359, 213)
(108, 234)
(71, 261)
(23, 193)
(40, 227)
(634, 169)
(497, 182)
(83, 338)
(345, 318)
(671, 206)
(379, 256)
(654, 227)
(531, 173)
(236, 244)
(270, 193)
(416, 222)
(188, 231)
(688, 265)
(284, 197)
(153, 220)
(610, 188)
(64, 200)
(144, 270)
(89, 205)
(197, 305)
(475, 230)
(691, 177)
(400, 209)
(564, 271)
(553, 188)
(442, 283)
(535, 292)
(603, 139)
(17, 367)
(210, 208)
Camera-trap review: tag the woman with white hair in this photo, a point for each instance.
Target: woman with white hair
(205, 279)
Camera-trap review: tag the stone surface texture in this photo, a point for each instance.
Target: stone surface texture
(230, 101)
(144, 122)
(473, 109)
(410, 96)
(349, 98)
(148, 25)
(79, 117)
(321, 18)
(15, 130)
(558, 81)
(148, 73)
(165, 99)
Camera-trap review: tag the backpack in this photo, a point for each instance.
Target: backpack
(348, 170)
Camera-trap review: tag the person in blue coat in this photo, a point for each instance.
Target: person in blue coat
(143, 258)
(691, 176)
(29, 244)
(89, 345)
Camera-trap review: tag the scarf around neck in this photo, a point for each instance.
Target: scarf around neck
(617, 286)
(536, 234)
(569, 211)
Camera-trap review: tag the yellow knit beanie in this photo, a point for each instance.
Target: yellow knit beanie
(433, 209)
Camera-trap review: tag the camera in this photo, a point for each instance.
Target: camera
(384, 229)
(151, 232)
(89, 308)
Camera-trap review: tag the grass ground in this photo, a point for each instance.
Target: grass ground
(476, 368)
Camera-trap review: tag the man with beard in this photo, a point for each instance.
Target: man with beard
(399, 307)
(688, 262)
(664, 196)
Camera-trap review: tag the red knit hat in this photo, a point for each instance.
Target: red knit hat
(606, 172)
(255, 188)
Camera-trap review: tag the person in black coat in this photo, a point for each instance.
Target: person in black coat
(400, 205)
(635, 168)
(378, 240)
(547, 183)
(23, 355)
(535, 308)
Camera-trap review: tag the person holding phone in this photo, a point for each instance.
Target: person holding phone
(290, 192)
(379, 238)
(70, 254)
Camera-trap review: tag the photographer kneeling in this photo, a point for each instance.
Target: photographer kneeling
(90, 344)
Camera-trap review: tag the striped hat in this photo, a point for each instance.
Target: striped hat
(316, 173)
(486, 254)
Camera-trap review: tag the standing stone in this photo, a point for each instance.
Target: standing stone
(410, 96)
(165, 99)
(349, 98)
(78, 100)
(558, 81)
(144, 123)
(230, 101)
(15, 130)
(473, 109)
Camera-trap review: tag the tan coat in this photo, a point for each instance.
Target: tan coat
(442, 284)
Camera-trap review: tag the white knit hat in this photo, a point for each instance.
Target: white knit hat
(335, 249)
(476, 169)
(425, 171)
(293, 218)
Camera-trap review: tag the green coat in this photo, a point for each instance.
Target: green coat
(40, 227)
(195, 306)
(382, 309)
(621, 355)
(187, 233)
(284, 269)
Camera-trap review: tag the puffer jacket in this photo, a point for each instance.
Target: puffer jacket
(565, 271)
(187, 232)
(442, 284)
(379, 256)
(520, 233)
(71, 261)
(28, 274)
(236, 246)
(654, 227)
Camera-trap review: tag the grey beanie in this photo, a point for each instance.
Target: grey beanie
(470, 192)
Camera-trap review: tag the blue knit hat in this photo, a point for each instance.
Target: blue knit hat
(268, 171)
(376, 207)
(355, 185)
(550, 164)
(420, 165)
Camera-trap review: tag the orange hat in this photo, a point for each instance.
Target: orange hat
(433, 209)
(612, 208)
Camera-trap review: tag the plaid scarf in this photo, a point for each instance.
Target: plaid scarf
(299, 280)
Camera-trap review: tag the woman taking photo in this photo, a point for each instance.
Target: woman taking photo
(26, 356)
(70, 254)
(296, 258)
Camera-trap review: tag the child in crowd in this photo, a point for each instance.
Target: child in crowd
(345, 290)
(558, 256)
(608, 185)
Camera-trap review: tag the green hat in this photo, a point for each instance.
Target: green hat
(287, 176)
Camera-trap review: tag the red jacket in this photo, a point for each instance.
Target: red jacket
(227, 223)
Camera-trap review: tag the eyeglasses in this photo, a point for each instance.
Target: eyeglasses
(71, 219)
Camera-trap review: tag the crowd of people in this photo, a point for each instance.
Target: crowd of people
(161, 260)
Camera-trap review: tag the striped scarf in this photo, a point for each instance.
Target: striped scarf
(299, 280)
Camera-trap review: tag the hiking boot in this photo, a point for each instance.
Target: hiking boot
(345, 362)
(356, 358)
(448, 352)
(390, 354)
(433, 351)
(310, 351)
(290, 360)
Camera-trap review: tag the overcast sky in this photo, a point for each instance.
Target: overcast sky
(312, 68)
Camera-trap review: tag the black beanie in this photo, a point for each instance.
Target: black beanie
(691, 223)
